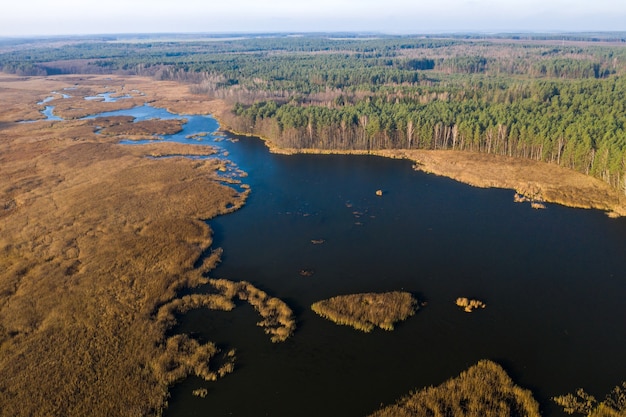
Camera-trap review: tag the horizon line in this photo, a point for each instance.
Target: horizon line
(321, 32)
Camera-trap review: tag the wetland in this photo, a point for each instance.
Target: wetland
(553, 279)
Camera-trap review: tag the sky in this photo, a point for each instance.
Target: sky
(69, 17)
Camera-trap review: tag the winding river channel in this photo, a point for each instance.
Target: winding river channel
(554, 282)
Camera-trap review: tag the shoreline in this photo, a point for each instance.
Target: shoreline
(536, 182)
(532, 181)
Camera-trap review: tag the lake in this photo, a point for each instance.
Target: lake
(553, 280)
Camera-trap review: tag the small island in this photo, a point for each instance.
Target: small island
(368, 310)
(469, 305)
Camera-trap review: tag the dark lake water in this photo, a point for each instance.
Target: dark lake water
(554, 282)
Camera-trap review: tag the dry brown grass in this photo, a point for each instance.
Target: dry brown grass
(94, 239)
(185, 356)
(484, 390)
(538, 181)
(469, 305)
(144, 129)
(368, 310)
(165, 149)
(613, 405)
(278, 320)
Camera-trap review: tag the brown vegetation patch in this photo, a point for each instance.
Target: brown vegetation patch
(200, 392)
(77, 107)
(185, 356)
(484, 390)
(469, 305)
(367, 310)
(94, 239)
(144, 129)
(164, 149)
(538, 181)
(278, 320)
(613, 405)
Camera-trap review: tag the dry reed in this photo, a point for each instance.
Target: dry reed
(614, 404)
(278, 320)
(484, 390)
(367, 310)
(469, 305)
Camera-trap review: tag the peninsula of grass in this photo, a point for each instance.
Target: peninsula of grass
(367, 310)
(130, 129)
(484, 390)
(185, 356)
(277, 318)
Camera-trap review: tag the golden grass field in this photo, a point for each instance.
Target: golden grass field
(94, 239)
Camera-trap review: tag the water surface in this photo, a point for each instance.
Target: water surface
(553, 281)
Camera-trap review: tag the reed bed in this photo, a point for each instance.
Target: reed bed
(613, 405)
(484, 390)
(367, 310)
(277, 318)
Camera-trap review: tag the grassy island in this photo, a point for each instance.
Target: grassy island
(368, 310)
(484, 390)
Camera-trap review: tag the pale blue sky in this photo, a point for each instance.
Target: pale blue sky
(43, 17)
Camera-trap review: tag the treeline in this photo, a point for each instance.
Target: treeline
(575, 124)
(599, 37)
(289, 63)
